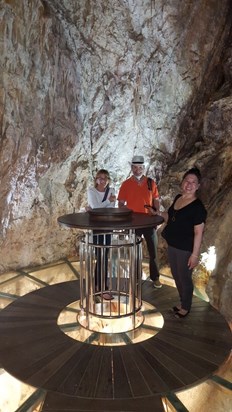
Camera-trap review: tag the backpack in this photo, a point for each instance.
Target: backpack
(149, 184)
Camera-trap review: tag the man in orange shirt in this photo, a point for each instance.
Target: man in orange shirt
(136, 192)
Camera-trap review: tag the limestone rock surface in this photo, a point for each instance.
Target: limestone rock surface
(88, 84)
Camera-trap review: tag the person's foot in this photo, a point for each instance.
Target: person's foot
(176, 309)
(182, 313)
(157, 284)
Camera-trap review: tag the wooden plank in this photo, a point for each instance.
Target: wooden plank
(55, 402)
(104, 386)
(122, 388)
(87, 377)
(138, 385)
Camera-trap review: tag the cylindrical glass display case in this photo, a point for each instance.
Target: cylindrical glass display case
(110, 284)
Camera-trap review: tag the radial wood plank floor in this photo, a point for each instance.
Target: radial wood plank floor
(83, 377)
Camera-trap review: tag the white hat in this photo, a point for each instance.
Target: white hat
(137, 160)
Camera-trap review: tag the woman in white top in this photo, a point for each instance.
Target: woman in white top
(101, 196)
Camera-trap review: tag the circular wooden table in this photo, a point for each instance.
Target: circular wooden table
(112, 220)
(111, 267)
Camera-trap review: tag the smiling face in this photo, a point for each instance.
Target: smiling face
(190, 184)
(101, 181)
(137, 170)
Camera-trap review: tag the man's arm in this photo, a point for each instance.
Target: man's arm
(155, 196)
(156, 204)
(121, 203)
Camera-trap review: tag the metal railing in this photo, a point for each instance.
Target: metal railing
(111, 273)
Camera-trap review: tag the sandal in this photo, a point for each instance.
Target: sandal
(175, 309)
(179, 315)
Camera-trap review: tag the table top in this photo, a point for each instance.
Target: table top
(85, 221)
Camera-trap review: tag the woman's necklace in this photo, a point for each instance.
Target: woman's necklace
(176, 210)
(174, 214)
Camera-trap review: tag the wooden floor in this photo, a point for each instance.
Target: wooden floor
(82, 377)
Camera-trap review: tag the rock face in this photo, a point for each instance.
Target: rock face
(87, 84)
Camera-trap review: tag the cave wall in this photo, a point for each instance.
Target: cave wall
(88, 84)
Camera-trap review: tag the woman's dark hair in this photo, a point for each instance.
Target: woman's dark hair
(194, 171)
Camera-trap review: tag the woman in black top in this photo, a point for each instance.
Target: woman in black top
(183, 233)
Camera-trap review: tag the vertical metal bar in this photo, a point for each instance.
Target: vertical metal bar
(82, 246)
(133, 265)
(91, 280)
(110, 266)
(139, 274)
(102, 277)
(125, 265)
(87, 279)
(132, 270)
(127, 280)
(104, 263)
(110, 269)
(130, 277)
(117, 271)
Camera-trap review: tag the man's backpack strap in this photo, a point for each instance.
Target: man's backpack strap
(149, 184)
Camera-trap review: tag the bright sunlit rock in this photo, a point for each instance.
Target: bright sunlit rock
(208, 259)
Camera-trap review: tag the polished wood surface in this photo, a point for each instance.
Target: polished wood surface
(82, 377)
(85, 221)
